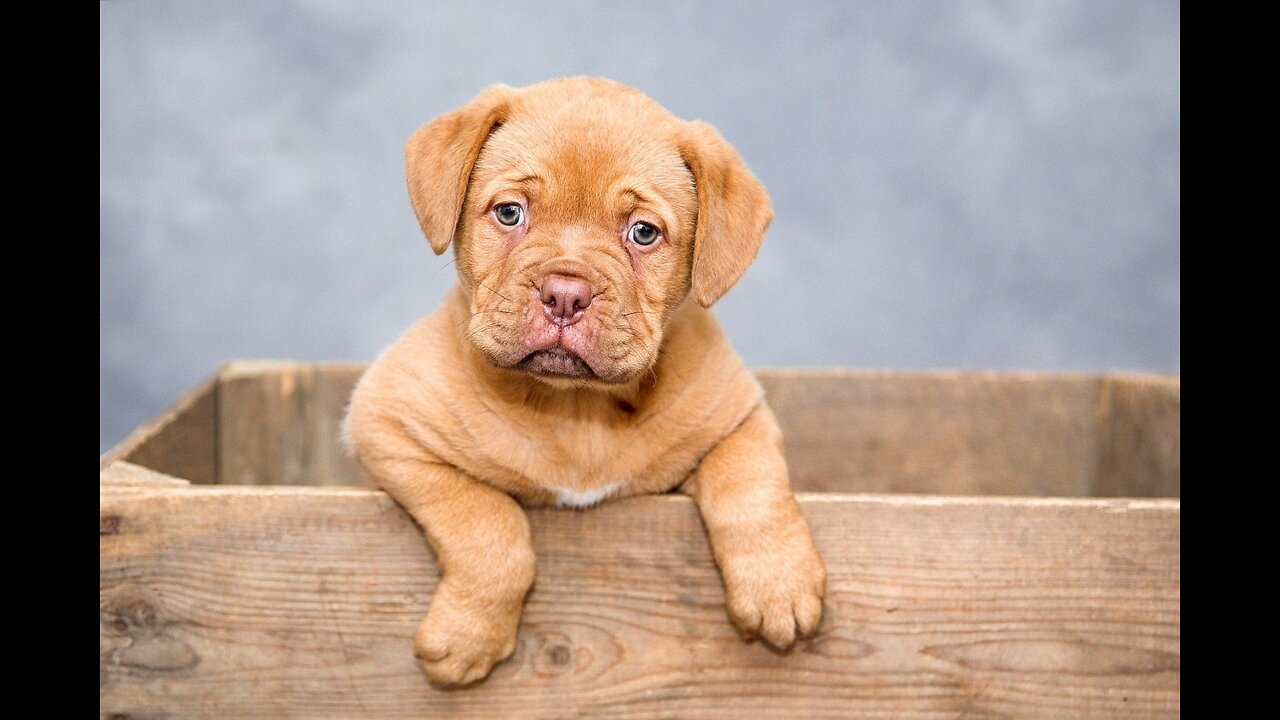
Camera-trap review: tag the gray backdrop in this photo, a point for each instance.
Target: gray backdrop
(968, 184)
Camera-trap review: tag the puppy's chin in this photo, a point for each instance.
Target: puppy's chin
(556, 362)
(560, 367)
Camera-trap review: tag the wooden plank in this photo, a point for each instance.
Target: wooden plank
(280, 424)
(181, 441)
(1140, 426)
(126, 474)
(302, 602)
(961, 433)
(329, 462)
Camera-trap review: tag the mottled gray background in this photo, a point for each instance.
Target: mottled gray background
(966, 184)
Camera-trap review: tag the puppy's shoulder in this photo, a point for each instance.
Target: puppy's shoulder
(709, 375)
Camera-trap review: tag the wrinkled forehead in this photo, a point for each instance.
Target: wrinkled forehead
(585, 160)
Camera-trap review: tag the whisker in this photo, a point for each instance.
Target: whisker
(491, 311)
(495, 292)
(442, 267)
(469, 333)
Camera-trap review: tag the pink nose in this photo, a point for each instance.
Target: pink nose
(564, 296)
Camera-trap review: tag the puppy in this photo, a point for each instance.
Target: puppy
(575, 361)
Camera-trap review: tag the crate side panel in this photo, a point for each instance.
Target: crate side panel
(301, 602)
(1140, 444)
(281, 424)
(943, 433)
(330, 461)
(181, 441)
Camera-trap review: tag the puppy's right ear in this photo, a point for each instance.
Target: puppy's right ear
(439, 157)
(733, 212)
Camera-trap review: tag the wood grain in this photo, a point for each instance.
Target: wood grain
(181, 441)
(302, 602)
(1021, 434)
(1140, 436)
(126, 474)
(937, 432)
(280, 424)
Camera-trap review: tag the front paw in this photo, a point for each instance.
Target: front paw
(464, 635)
(776, 593)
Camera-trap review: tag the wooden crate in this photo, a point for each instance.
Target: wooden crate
(998, 545)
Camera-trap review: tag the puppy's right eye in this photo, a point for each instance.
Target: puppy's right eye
(509, 214)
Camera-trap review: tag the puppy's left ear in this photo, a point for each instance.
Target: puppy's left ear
(439, 157)
(733, 212)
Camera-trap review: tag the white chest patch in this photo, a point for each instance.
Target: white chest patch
(585, 498)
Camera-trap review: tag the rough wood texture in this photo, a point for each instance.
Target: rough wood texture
(1140, 418)
(301, 602)
(280, 424)
(126, 474)
(937, 432)
(1033, 434)
(181, 441)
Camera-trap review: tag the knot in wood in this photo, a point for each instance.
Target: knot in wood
(557, 655)
(560, 655)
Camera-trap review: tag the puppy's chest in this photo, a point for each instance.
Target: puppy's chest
(583, 463)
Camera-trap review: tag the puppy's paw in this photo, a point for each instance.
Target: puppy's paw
(463, 637)
(776, 594)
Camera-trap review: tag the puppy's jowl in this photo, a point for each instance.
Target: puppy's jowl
(576, 361)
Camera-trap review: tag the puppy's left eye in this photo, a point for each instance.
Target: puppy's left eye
(509, 214)
(643, 234)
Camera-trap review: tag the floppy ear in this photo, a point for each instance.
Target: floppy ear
(438, 160)
(733, 212)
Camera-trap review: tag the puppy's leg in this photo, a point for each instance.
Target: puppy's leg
(481, 540)
(774, 579)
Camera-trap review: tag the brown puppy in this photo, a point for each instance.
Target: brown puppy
(568, 366)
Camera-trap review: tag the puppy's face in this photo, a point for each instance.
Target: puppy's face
(583, 215)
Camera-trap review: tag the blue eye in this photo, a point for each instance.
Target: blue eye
(643, 234)
(509, 214)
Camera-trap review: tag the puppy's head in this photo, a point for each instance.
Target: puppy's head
(583, 215)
